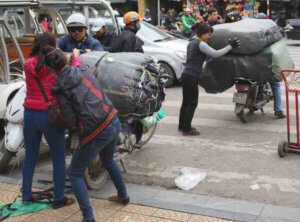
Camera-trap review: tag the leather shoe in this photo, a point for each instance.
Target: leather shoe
(192, 132)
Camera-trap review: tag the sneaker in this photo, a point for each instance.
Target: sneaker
(116, 198)
(192, 132)
(279, 114)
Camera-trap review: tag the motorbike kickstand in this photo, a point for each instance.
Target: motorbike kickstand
(262, 111)
(123, 166)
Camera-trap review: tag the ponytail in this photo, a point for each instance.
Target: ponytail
(54, 58)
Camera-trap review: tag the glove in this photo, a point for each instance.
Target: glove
(235, 43)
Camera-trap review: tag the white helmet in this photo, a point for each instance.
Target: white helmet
(76, 20)
(97, 24)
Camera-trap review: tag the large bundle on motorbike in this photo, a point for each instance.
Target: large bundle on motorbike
(132, 81)
(255, 34)
(218, 74)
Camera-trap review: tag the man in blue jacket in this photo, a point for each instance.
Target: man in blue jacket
(78, 37)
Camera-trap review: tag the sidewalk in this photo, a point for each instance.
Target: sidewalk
(155, 204)
(105, 211)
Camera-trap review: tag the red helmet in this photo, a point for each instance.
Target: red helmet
(131, 17)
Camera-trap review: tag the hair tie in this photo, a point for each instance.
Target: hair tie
(49, 53)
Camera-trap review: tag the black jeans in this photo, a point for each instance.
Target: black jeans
(190, 94)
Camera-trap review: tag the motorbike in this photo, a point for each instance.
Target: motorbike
(95, 175)
(250, 96)
(13, 141)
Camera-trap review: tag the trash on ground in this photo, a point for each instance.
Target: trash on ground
(255, 187)
(190, 178)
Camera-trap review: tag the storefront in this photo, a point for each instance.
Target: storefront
(278, 9)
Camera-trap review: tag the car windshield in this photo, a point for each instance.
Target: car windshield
(152, 33)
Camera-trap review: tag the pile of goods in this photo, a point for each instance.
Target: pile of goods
(260, 58)
(132, 81)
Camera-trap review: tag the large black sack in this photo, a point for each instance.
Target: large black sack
(218, 74)
(254, 34)
(130, 80)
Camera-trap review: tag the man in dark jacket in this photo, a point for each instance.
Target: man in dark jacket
(86, 110)
(128, 42)
(107, 39)
(127, 39)
(78, 37)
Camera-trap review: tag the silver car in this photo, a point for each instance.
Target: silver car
(168, 50)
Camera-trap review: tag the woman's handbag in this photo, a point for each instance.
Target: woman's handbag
(55, 116)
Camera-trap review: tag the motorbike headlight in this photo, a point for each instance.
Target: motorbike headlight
(181, 55)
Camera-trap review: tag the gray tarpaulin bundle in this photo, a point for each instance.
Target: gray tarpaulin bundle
(254, 34)
(131, 81)
(270, 55)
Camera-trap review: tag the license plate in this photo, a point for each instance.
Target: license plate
(240, 98)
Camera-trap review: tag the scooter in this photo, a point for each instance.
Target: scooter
(250, 96)
(13, 141)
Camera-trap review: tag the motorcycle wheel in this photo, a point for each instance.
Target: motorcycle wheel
(245, 116)
(5, 156)
(95, 175)
(147, 135)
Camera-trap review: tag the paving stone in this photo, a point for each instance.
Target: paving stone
(9, 187)
(233, 205)
(199, 218)
(98, 203)
(64, 212)
(43, 218)
(8, 196)
(157, 219)
(100, 215)
(139, 192)
(172, 215)
(149, 211)
(19, 218)
(179, 197)
(127, 217)
(281, 213)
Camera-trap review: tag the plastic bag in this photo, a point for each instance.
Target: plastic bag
(151, 120)
(22, 207)
(190, 178)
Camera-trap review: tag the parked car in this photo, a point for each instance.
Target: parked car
(169, 51)
(292, 29)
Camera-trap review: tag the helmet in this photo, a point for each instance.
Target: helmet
(261, 15)
(131, 17)
(76, 20)
(97, 24)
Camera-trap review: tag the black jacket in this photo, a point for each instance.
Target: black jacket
(109, 41)
(83, 103)
(128, 42)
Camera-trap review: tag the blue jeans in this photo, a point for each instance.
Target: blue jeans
(36, 124)
(276, 89)
(105, 145)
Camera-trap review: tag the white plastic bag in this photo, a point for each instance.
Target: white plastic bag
(190, 178)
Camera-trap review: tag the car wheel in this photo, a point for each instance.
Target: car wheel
(167, 70)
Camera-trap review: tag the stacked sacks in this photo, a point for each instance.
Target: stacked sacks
(260, 58)
(131, 81)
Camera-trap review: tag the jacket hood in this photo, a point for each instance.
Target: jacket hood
(70, 78)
